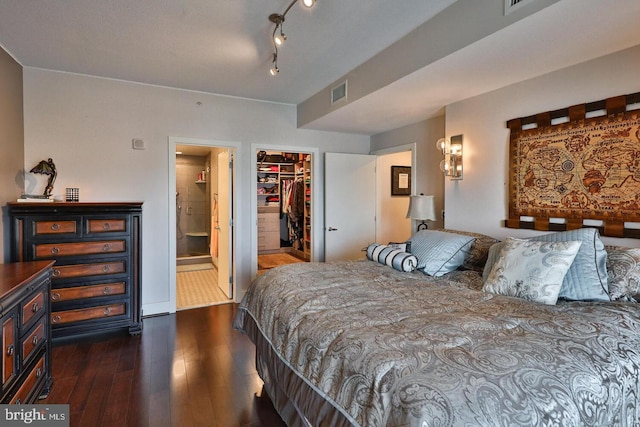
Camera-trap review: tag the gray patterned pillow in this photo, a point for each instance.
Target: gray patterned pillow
(586, 280)
(531, 270)
(587, 277)
(623, 267)
(477, 256)
(438, 252)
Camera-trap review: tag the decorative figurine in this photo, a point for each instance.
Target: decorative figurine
(47, 167)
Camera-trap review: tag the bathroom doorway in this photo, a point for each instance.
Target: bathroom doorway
(203, 249)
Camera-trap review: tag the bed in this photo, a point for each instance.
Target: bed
(363, 343)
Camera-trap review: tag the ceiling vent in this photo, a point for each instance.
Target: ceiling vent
(512, 5)
(339, 93)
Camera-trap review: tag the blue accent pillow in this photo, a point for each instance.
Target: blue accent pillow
(392, 256)
(439, 252)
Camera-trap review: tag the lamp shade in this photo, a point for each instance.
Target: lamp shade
(422, 208)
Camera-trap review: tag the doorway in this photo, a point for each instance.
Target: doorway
(365, 211)
(204, 189)
(284, 204)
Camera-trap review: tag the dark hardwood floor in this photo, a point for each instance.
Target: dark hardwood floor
(186, 369)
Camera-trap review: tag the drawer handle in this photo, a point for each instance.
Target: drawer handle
(55, 226)
(35, 307)
(106, 268)
(10, 350)
(106, 290)
(56, 272)
(55, 319)
(106, 247)
(107, 311)
(106, 226)
(35, 340)
(55, 296)
(18, 402)
(38, 372)
(55, 250)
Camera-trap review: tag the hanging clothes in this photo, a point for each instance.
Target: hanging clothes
(296, 213)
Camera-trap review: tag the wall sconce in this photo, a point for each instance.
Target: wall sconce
(422, 208)
(452, 152)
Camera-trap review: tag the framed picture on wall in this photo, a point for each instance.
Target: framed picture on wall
(400, 180)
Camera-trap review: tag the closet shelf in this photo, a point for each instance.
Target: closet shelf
(197, 234)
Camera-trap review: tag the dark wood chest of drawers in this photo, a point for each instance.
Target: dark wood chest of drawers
(97, 275)
(25, 334)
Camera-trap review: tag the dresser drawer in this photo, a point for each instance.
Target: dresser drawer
(9, 353)
(30, 383)
(89, 291)
(89, 269)
(268, 240)
(268, 222)
(82, 314)
(110, 225)
(56, 227)
(32, 308)
(33, 341)
(48, 250)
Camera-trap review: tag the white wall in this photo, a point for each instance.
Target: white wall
(11, 144)
(480, 201)
(86, 125)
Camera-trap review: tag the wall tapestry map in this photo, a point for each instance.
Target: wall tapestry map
(582, 169)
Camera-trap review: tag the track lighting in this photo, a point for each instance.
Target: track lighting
(274, 68)
(278, 37)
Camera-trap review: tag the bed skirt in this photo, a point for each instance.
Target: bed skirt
(284, 386)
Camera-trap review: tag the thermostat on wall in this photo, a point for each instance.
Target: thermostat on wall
(138, 144)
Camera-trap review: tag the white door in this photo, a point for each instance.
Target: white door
(224, 225)
(350, 205)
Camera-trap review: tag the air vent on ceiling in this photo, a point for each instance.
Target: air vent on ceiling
(339, 93)
(511, 5)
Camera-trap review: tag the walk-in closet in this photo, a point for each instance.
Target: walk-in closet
(284, 187)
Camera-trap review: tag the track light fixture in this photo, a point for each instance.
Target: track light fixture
(274, 67)
(278, 37)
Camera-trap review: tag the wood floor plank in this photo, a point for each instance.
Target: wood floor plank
(185, 369)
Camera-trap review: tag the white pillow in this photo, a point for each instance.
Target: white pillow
(531, 270)
(439, 252)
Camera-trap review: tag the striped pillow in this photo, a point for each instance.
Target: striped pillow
(391, 256)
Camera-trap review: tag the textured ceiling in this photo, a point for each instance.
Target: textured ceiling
(215, 46)
(224, 47)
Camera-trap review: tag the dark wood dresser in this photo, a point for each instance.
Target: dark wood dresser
(25, 334)
(97, 275)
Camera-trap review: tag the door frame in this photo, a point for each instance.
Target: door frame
(315, 200)
(173, 142)
(398, 149)
(412, 147)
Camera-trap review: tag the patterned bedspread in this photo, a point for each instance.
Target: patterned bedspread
(360, 343)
